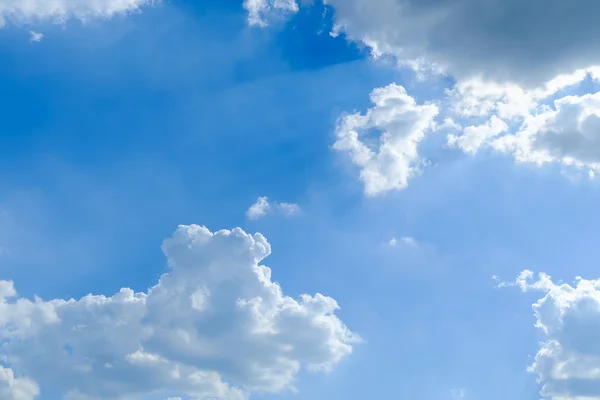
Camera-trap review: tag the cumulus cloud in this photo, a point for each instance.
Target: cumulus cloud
(61, 10)
(533, 125)
(261, 11)
(263, 206)
(538, 125)
(259, 209)
(568, 134)
(473, 137)
(504, 79)
(567, 363)
(390, 159)
(12, 388)
(214, 326)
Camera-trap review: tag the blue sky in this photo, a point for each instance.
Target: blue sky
(118, 130)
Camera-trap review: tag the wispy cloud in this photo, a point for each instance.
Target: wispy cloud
(263, 206)
(35, 36)
(404, 241)
(259, 209)
(458, 394)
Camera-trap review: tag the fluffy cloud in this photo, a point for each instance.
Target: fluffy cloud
(504, 77)
(504, 80)
(263, 206)
(27, 11)
(507, 40)
(568, 361)
(536, 125)
(387, 161)
(261, 11)
(259, 209)
(215, 326)
(568, 134)
(12, 388)
(474, 136)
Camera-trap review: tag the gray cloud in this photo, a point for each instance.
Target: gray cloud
(521, 41)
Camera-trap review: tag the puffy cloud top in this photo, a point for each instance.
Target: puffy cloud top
(568, 361)
(214, 326)
(383, 142)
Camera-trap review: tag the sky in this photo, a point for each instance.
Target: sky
(281, 199)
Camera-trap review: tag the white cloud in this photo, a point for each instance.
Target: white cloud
(35, 36)
(214, 326)
(263, 206)
(12, 388)
(532, 125)
(567, 363)
(289, 209)
(568, 134)
(389, 161)
(259, 209)
(503, 79)
(476, 97)
(406, 241)
(473, 137)
(30, 11)
(261, 11)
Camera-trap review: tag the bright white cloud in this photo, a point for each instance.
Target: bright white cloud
(503, 81)
(569, 134)
(534, 125)
(390, 159)
(568, 362)
(473, 137)
(28, 11)
(263, 206)
(214, 326)
(261, 11)
(12, 388)
(259, 209)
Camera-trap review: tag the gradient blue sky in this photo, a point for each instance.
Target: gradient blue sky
(116, 131)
